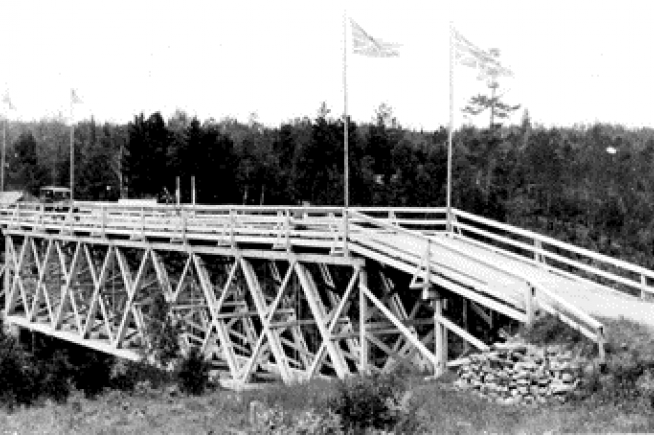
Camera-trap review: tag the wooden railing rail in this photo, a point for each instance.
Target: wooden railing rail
(538, 249)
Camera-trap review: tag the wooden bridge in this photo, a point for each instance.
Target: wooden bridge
(298, 292)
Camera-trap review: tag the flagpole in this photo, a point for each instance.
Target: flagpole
(450, 133)
(72, 148)
(346, 163)
(2, 162)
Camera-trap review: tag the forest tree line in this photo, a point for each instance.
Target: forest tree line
(557, 180)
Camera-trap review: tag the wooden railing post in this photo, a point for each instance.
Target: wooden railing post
(538, 256)
(346, 231)
(143, 222)
(232, 224)
(530, 309)
(71, 217)
(427, 292)
(184, 225)
(643, 287)
(42, 216)
(17, 213)
(103, 216)
(287, 231)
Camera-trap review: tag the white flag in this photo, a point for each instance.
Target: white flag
(74, 99)
(366, 45)
(470, 55)
(6, 99)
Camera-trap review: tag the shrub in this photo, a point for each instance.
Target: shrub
(626, 379)
(550, 330)
(54, 379)
(193, 373)
(18, 374)
(90, 371)
(127, 375)
(162, 334)
(377, 400)
(276, 421)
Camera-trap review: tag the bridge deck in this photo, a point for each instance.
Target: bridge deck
(589, 297)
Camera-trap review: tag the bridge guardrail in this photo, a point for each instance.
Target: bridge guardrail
(573, 316)
(299, 224)
(538, 249)
(295, 225)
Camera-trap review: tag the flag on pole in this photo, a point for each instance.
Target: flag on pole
(6, 99)
(74, 99)
(470, 55)
(366, 45)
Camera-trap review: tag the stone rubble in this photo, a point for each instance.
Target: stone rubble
(519, 373)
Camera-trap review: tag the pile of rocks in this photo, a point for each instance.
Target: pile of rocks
(518, 373)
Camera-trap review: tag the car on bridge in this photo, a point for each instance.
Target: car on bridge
(56, 199)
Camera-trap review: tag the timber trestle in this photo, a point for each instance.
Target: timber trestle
(278, 291)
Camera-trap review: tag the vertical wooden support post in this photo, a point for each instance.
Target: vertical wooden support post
(363, 314)
(529, 305)
(600, 344)
(466, 345)
(440, 344)
(6, 281)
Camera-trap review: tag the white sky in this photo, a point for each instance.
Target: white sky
(574, 61)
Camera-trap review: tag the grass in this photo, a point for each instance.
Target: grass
(455, 412)
(119, 413)
(222, 412)
(610, 408)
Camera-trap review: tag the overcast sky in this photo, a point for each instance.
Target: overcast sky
(574, 61)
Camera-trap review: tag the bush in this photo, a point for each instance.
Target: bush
(276, 420)
(193, 373)
(162, 334)
(18, 375)
(55, 377)
(91, 371)
(626, 379)
(24, 379)
(379, 401)
(626, 382)
(550, 330)
(127, 375)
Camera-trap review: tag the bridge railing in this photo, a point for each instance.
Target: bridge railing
(431, 220)
(312, 226)
(533, 291)
(564, 258)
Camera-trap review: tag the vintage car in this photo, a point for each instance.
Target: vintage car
(56, 199)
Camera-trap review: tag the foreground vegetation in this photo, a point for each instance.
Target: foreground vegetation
(80, 392)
